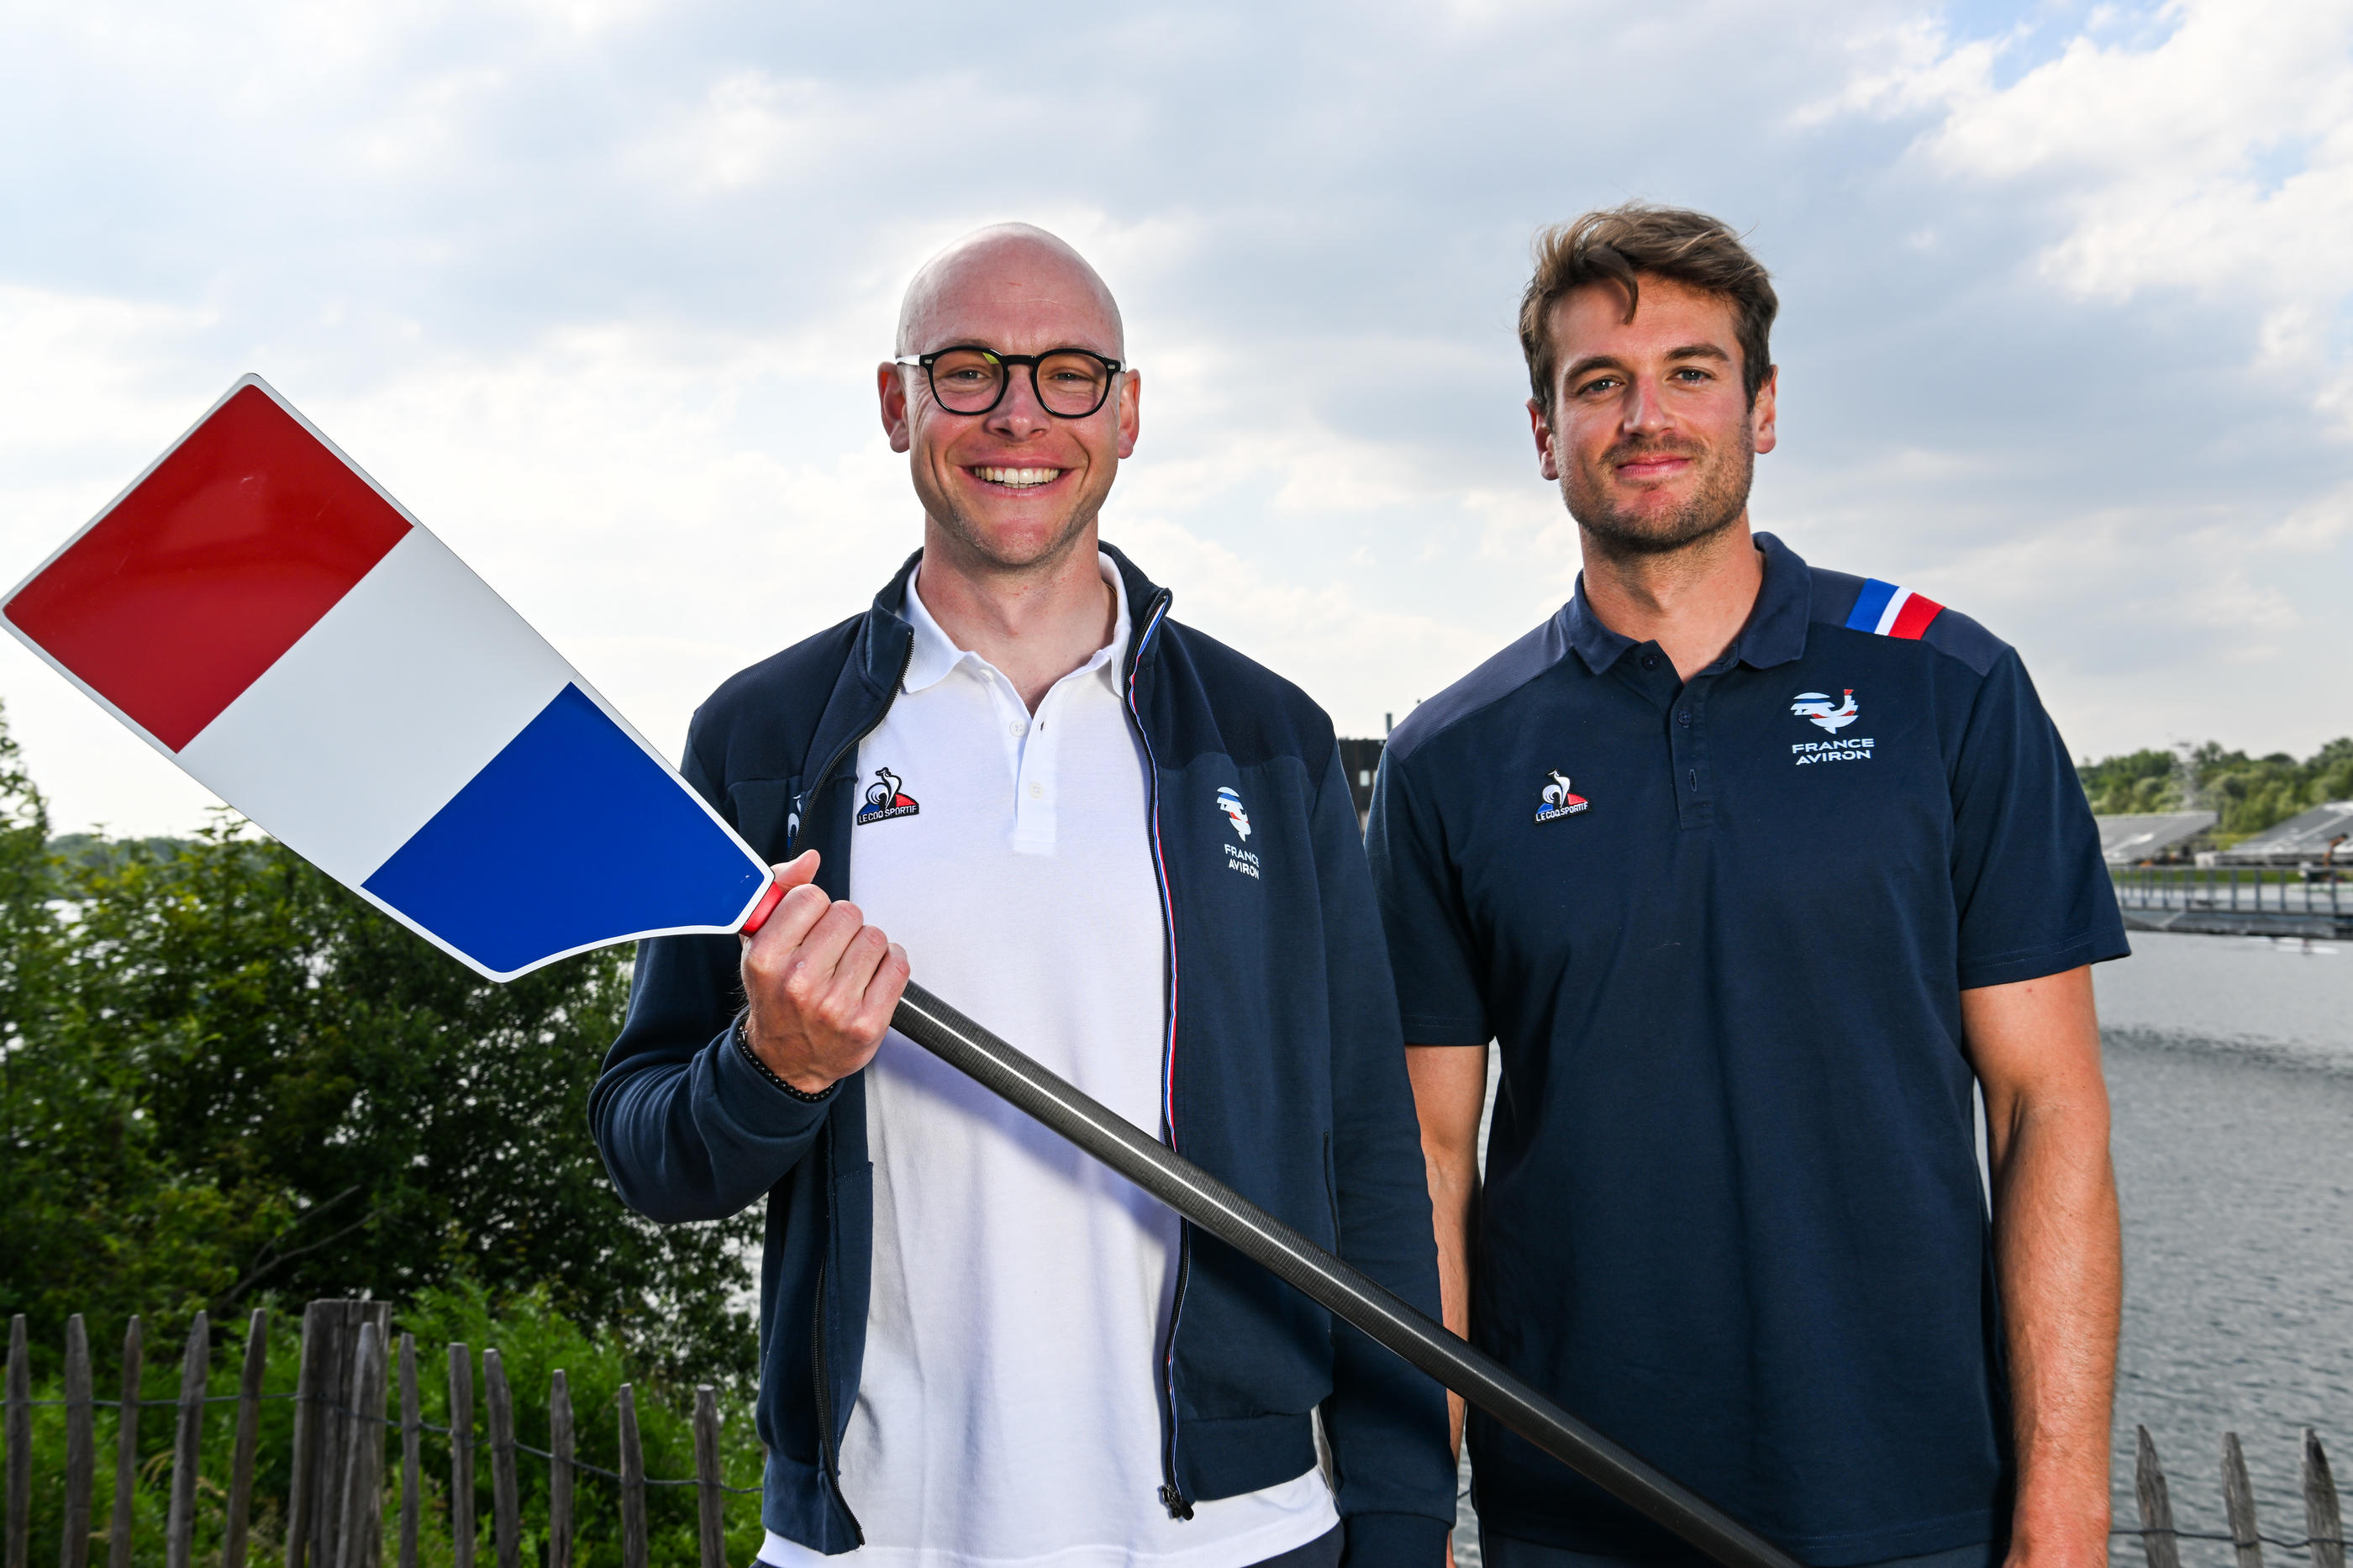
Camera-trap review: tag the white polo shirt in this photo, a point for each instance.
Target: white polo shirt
(1008, 1408)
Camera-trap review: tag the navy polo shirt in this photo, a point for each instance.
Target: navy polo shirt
(1720, 929)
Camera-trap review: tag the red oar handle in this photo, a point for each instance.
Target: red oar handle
(764, 908)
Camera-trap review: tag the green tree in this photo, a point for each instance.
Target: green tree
(224, 1075)
(2247, 793)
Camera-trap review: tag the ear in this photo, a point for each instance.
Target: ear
(1131, 395)
(1542, 429)
(1761, 434)
(891, 387)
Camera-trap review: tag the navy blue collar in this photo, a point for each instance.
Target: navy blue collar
(1775, 632)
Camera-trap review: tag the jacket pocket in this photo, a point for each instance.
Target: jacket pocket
(762, 811)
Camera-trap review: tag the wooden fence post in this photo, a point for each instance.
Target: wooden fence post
(559, 1472)
(412, 1479)
(81, 1447)
(2158, 1541)
(325, 1431)
(708, 1498)
(2239, 1503)
(249, 1439)
(187, 1443)
(633, 1485)
(461, 1457)
(506, 1525)
(301, 1484)
(2322, 1521)
(359, 1540)
(126, 1446)
(20, 1446)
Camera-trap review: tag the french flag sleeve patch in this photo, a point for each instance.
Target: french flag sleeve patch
(255, 608)
(1892, 612)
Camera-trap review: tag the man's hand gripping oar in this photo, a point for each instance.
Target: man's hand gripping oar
(820, 984)
(822, 987)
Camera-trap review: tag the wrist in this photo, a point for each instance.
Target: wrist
(741, 1034)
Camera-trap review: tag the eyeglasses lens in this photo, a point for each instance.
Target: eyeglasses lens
(972, 381)
(1072, 384)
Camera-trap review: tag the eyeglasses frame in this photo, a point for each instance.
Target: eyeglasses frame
(1033, 361)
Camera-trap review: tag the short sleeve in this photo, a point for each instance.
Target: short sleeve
(1440, 1000)
(2031, 890)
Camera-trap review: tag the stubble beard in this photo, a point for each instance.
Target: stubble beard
(990, 555)
(1721, 499)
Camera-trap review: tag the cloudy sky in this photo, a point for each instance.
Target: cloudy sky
(597, 288)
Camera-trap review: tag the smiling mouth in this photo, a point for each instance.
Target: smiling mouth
(1017, 478)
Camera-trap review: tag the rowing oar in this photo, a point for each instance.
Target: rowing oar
(266, 615)
(1344, 1291)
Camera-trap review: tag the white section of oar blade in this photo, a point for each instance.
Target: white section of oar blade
(381, 713)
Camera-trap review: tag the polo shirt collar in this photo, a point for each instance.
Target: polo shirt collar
(1775, 632)
(936, 654)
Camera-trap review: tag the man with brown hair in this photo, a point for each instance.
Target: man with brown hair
(1756, 872)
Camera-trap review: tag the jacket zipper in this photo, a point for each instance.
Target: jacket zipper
(829, 1462)
(828, 1458)
(1171, 1495)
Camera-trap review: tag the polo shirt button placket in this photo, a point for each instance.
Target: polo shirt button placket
(1687, 747)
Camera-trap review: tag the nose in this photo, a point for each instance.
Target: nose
(1644, 411)
(1019, 415)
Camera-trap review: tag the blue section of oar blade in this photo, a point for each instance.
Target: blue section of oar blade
(1869, 605)
(571, 838)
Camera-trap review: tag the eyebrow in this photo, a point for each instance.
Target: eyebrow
(1612, 362)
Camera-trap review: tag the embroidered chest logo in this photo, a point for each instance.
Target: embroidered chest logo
(885, 799)
(1830, 716)
(1818, 708)
(1238, 859)
(1558, 800)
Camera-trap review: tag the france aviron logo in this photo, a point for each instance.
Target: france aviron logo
(885, 799)
(1560, 800)
(1819, 707)
(1230, 804)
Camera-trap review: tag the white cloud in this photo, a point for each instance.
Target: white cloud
(597, 287)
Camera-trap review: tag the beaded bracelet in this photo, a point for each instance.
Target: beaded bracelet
(744, 1044)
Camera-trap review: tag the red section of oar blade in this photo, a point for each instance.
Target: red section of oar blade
(218, 561)
(764, 908)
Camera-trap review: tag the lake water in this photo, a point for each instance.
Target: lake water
(2229, 1063)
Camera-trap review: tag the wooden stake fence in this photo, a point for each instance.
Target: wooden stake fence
(335, 1511)
(2161, 1538)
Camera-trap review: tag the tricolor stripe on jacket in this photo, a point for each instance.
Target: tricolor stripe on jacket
(1891, 611)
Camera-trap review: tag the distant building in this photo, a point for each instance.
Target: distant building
(2130, 839)
(2323, 834)
(1361, 760)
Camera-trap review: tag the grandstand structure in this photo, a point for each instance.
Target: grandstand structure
(2321, 836)
(2154, 837)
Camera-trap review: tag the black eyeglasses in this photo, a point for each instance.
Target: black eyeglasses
(1070, 384)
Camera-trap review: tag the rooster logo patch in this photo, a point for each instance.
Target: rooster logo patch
(1832, 716)
(1558, 800)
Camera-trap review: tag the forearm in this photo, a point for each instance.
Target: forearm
(1450, 1087)
(1453, 1191)
(2059, 1252)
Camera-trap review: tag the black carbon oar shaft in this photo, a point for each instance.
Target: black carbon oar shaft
(1344, 1291)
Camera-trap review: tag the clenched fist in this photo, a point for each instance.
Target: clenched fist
(821, 983)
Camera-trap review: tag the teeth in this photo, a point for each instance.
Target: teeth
(1018, 478)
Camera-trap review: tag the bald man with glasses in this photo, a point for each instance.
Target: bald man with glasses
(1133, 852)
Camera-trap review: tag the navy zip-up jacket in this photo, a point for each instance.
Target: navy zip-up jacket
(1284, 1061)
